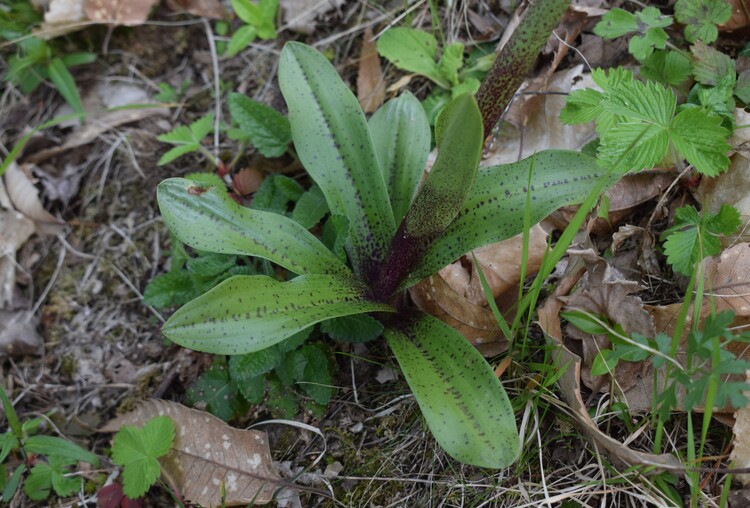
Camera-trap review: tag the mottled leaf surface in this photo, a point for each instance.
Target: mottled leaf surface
(461, 398)
(333, 142)
(401, 133)
(206, 218)
(252, 312)
(494, 209)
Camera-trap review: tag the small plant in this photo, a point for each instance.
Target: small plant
(369, 175)
(137, 450)
(188, 139)
(45, 476)
(259, 21)
(416, 51)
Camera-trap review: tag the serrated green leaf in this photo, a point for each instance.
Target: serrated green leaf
(710, 66)
(667, 67)
(210, 265)
(206, 218)
(137, 451)
(292, 367)
(187, 138)
(267, 129)
(700, 18)
(316, 378)
(401, 134)
(282, 401)
(461, 398)
(458, 133)
(582, 106)
(250, 313)
(254, 364)
(241, 39)
(412, 50)
(310, 208)
(65, 84)
(217, 392)
(742, 87)
(616, 23)
(451, 61)
(174, 153)
(252, 389)
(45, 476)
(494, 209)
(357, 328)
(641, 46)
(295, 340)
(173, 288)
(334, 144)
(700, 138)
(38, 485)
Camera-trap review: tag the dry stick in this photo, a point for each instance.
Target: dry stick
(517, 58)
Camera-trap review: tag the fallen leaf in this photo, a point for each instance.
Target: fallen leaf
(25, 199)
(740, 16)
(64, 12)
(15, 229)
(207, 452)
(740, 455)
(300, 15)
(212, 9)
(18, 335)
(118, 12)
(570, 386)
(370, 83)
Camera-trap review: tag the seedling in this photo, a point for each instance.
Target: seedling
(259, 21)
(457, 208)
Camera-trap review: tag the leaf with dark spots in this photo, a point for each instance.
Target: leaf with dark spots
(212, 221)
(401, 133)
(461, 398)
(249, 313)
(333, 142)
(495, 207)
(459, 131)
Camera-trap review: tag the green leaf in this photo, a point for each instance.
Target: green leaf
(254, 364)
(10, 414)
(582, 106)
(584, 322)
(334, 144)
(316, 377)
(251, 388)
(10, 488)
(451, 61)
(65, 84)
(173, 288)
(241, 39)
(495, 207)
(357, 328)
(667, 67)
(710, 66)
(187, 139)
(742, 88)
(43, 477)
(51, 445)
(335, 235)
(695, 237)
(310, 208)
(700, 138)
(700, 18)
(206, 218)
(401, 133)
(267, 129)
(460, 396)
(414, 51)
(458, 132)
(250, 313)
(647, 25)
(76, 59)
(137, 451)
(217, 392)
(292, 367)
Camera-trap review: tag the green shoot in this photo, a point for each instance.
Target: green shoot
(187, 140)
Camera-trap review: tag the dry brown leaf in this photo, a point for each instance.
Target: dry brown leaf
(212, 9)
(740, 456)
(300, 15)
(740, 16)
(207, 452)
(15, 229)
(18, 335)
(605, 292)
(118, 12)
(370, 83)
(570, 386)
(25, 199)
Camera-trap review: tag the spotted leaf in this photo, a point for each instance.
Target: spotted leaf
(333, 142)
(461, 398)
(248, 313)
(206, 218)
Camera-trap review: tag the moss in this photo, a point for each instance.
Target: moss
(68, 365)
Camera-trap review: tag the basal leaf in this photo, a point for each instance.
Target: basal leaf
(249, 313)
(334, 144)
(412, 50)
(700, 138)
(206, 218)
(401, 133)
(267, 129)
(461, 398)
(494, 209)
(65, 84)
(458, 131)
(241, 39)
